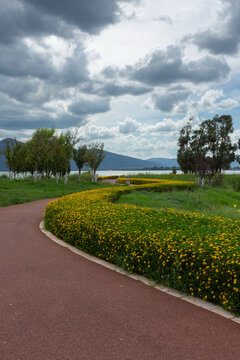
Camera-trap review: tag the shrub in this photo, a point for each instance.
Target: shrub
(137, 181)
(194, 253)
(109, 177)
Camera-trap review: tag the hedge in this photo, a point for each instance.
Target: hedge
(137, 181)
(196, 254)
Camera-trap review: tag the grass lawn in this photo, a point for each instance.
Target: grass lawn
(24, 190)
(209, 201)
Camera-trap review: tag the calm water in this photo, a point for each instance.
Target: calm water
(134, 172)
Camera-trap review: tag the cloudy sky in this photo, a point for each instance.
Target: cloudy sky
(127, 73)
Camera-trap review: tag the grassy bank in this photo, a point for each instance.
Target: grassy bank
(208, 201)
(24, 190)
(228, 181)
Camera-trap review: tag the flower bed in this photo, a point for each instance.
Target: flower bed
(190, 252)
(137, 181)
(100, 178)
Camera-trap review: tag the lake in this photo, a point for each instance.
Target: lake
(134, 172)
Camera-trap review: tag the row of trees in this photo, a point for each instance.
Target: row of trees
(49, 154)
(207, 150)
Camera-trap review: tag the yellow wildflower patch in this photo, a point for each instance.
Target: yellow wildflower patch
(197, 254)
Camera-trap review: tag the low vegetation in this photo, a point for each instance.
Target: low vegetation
(24, 190)
(197, 254)
(210, 202)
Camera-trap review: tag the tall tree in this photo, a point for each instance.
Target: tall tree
(208, 150)
(57, 157)
(39, 148)
(185, 155)
(14, 155)
(70, 139)
(94, 156)
(79, 156)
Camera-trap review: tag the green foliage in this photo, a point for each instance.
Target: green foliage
(94, 156)
(39, 147)
(207, 201)
(208, 150)
(14, 153)
(137, 181)
(194, 253)
(79, 156)
(24, 190)
(69, 140)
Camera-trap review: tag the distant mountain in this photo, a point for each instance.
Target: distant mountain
(2, 157)
(164, 162)
(114, 161)
(111, 161)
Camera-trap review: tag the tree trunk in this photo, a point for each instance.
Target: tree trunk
(93, 175)
(66, 179)
(79, 174)
(57, 177)
(66, 175)
(35, 177)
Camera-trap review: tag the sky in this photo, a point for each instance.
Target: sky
(129, 74)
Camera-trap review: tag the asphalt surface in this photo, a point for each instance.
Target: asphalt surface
(56, 305)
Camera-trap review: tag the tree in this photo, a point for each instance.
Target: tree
(14, 154)
(185, 155)
(220, 147)
(39, 148)
(208, 150)
(94, 156)
(57, 158)
(79, 156)
(69, 141)
(238, 156)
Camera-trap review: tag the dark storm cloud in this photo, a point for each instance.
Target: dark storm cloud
(29, 91)
(90, 16)
(16, 117)
(28, 122)
(167, 100)
(24, 18)
(115, 89)
(164, 67)
(86, 107)
(217, 43)
(18, 20)
(224, 38)
(20, 61)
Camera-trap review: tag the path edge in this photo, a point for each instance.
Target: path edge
(193, 300)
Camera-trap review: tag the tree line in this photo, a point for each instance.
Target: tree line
(207, 150)
(49, 154)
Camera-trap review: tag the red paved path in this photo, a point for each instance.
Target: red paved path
(55, 305)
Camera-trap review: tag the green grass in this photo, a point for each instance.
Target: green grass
(24, 190)
(209, 201)
(180, 177)
(229, 181)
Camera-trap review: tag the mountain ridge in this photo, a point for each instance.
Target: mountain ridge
(112, 161)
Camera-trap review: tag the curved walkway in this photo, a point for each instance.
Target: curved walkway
(55, 305)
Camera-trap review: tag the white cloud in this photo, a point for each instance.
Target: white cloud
(128, 126)
(210, 101)
(92, 132)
